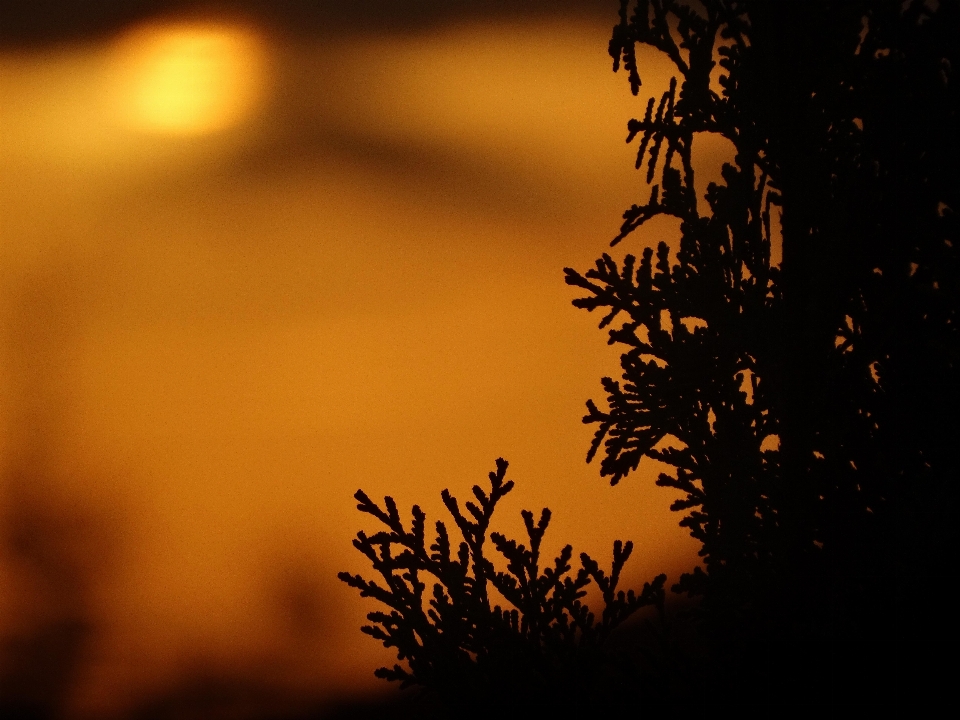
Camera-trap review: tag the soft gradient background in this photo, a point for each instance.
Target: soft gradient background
(215, 330)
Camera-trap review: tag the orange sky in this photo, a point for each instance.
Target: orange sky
(340, 268)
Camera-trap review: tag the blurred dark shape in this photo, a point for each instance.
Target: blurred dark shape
(213, 696)
(203, 696)
(811, 407)
(404, 709)
(300, 602)
(542, 652)
(53, 548)
(53, 554)
(49, 21)
(39, 668)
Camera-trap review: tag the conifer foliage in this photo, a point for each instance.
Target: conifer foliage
(808, 408)
(699, 330)
(541, 648)
(794, 360)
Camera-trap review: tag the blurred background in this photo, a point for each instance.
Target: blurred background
(254, 256)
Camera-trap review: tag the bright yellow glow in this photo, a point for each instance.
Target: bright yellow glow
(189, 79)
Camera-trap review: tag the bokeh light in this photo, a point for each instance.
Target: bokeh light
(189, 78)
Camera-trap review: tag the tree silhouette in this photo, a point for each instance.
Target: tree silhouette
(541, 650)
(809, 410)
(808, 407)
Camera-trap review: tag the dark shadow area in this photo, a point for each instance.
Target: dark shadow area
(215, 695)
(52, 556)
(53, 550)
(53, 21)
(220, 697)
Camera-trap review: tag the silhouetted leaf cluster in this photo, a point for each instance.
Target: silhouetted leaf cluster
(808, 408)
(478, 636)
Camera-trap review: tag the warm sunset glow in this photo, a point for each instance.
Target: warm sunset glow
(189, 79)
(207, 347)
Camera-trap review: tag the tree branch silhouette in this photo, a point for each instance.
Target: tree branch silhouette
(541, 646)
(808, 409)
(807, 405)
